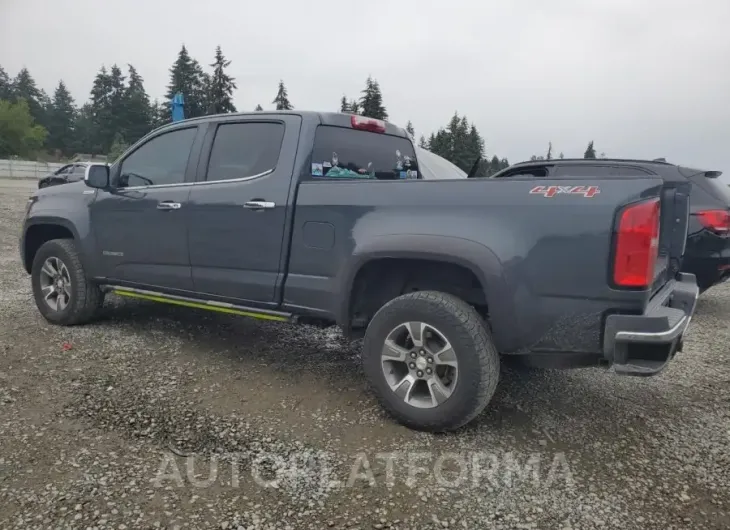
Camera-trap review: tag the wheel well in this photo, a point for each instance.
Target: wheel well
(381, 280)
(39, 234)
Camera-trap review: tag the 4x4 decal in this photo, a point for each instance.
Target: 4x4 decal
(552, 191)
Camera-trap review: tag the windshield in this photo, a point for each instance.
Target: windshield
(433, 167)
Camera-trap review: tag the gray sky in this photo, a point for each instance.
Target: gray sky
(642, 78)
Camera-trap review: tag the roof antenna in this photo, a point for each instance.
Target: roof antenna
(659, 160)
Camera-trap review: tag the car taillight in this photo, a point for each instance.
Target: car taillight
(637, 245)
(715, 220)
(367, 124)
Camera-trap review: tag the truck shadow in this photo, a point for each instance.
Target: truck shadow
(526, 405)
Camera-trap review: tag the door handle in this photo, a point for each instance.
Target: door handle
(168, 205)
(259, 205)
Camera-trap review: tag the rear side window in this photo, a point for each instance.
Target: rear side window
(244, 150)
(352, 154)
(585, 170)
(530, 171)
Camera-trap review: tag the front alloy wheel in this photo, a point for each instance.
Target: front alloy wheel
(55, 282)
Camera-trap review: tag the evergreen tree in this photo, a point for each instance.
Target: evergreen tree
(108, 103)
(258, 108)
(371, 101)
(410, 130)
(161, 114)
(61, 117)
(117, 149)
(422, 143)
(354, 107)
(549, 155)
(19, 134)
(561, 155)
(6, 86)
(590, 151)
(138, 113)
(344, 105)
(85, 138)
(101, 130)
(495, 165)
(282, 98)
(220, 90)
(188, 78)
(24, 87)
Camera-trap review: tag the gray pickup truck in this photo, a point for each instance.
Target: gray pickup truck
(338, 219)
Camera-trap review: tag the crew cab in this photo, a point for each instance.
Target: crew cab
(326, 218)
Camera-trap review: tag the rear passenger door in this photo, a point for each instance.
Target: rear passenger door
(239, 206)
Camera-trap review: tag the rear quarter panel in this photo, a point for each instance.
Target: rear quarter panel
(543, 262)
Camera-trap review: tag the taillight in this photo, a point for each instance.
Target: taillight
(367, 124)
(715, 220)
(637, 245)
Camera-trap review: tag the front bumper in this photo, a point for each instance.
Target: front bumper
(644, 344)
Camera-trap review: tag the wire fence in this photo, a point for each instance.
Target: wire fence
(27, 169)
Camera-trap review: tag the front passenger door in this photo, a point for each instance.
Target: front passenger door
(141, 225)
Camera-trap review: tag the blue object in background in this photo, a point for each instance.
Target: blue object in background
(178, 110)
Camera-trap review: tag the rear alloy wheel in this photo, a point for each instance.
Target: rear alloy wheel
(430, 360)
(62, 292)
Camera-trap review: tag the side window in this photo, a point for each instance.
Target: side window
(633, 172)
(160, 161)
(530, 171)
(244, 149)
(585, 170)
(345, 153)
(65, 170)
(79, 170)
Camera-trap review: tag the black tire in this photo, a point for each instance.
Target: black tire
(476, 355)
(85, 298)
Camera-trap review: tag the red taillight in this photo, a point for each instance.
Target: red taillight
(637, 245)
(715, 220)
(367, 124)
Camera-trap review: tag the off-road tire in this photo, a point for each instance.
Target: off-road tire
(86, 298)
(471, 340)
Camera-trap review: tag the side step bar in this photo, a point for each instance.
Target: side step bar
(209, 305)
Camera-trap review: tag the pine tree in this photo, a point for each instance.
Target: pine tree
(561, 155)
(258, 108)
(6, 86)
(354, 107)
(371, 101)
(24, 87)
(282, 98)
(494, 165)
(222, 85)
(549, 155)
(61, 117)
(590, 151)
(160, 114)
(101, 128)
(108, 102)
(410, 130)
(188, 78)
(344, 105)
(117, 149)
(422, 143)
(85, 137)
(137, 109)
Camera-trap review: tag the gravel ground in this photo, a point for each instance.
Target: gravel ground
(162, 417)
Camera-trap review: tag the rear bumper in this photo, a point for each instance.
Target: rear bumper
(644, 344)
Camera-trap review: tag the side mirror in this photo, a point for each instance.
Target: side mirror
(97, 176)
